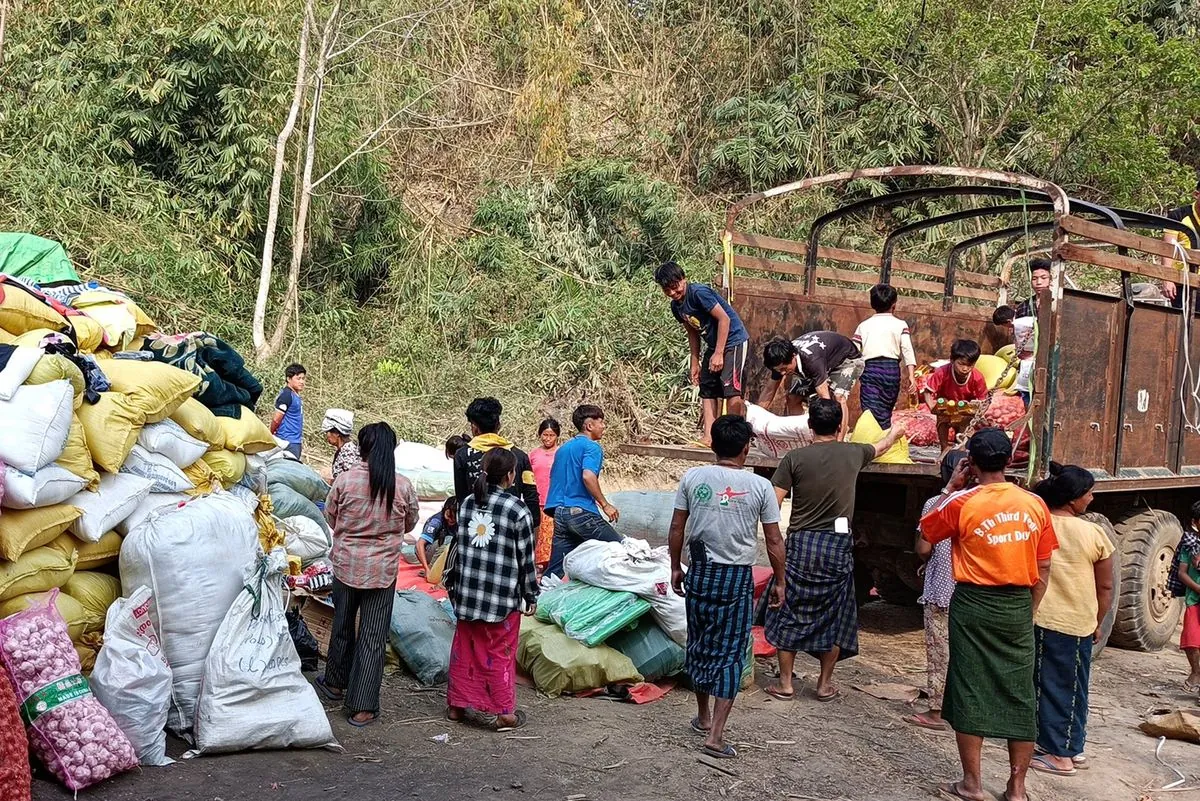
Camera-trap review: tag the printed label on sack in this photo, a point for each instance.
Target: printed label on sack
(54, 695)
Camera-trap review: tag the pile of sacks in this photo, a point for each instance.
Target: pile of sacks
(120, 445)
(616, 620)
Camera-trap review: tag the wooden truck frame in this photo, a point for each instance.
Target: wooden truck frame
(1114, 387)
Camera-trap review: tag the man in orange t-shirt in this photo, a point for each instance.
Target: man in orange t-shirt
(1001, 541)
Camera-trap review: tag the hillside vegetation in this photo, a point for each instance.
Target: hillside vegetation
(500, 177)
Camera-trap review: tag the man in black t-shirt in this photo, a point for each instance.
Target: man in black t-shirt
(1190, 216)
(819, 364)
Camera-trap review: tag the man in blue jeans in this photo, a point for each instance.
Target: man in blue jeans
(575, 498)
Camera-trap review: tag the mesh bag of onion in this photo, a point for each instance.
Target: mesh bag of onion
(69, 730)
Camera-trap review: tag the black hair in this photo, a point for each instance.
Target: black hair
(883, 297)
(455, 443)
(1039, 264)
(1065, 483)
(730, 435)
(1004, 315)
(377, 442)
(585, 412)
(484, 413)
(778, 351)
(949, 462)
(1196, 510)
(497, 463)
(294, 370)
(965, 349)
(668, 274)
(824, 416)
(549, 424)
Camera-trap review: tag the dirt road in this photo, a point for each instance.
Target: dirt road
(853, 749)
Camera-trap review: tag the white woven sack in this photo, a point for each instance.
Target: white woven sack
(112, 502)
(148, 505)
(191, 557)
(48, 486)
(156, 468)
(304, 538)
(34, 425)
(253, 695)
(170, 440)
(20, 364)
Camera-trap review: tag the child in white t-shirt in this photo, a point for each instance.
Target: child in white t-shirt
(885, 343)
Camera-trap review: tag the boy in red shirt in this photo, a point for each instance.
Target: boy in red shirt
(956, 381)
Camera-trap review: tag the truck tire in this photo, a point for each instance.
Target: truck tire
(1147, 614)
(1111, 618)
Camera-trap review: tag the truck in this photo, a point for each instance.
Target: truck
(1116, 387)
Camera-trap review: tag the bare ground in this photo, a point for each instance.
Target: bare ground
(853, 749)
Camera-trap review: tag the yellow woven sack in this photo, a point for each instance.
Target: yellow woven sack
(1007, 352)
(38, 570)
(204, 477)
(88, 333)
(76, 458)
(53, 367)
(247, 434)
(73, 612)
(87, 658)
(229, 466)
(200, 422)
(122, 319)
(95, 592)
(89, 555)
(868, 432)
(111, 429)
(21, 312)
(23, 530)
(992, 368)
(6, 338)
(157, 389)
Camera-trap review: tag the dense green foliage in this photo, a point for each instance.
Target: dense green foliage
(539, 157)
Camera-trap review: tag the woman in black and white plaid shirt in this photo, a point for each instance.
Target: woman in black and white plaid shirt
(494, 581)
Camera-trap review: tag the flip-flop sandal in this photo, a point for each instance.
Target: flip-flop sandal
(1081, 762)
(696, 727)
(1042, 764)
(522, 719)
(728, 752)
(824, 699)
(925, 722)
(329, 693)
(1190, 688)
(951, 791)
(776, 693)
(358, 724)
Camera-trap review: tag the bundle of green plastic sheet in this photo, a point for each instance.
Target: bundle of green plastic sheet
(589, 614)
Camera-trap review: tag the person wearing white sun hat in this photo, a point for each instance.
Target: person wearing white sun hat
(337, 426)
(493, 582)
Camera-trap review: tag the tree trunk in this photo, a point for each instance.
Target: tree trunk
(268, 255)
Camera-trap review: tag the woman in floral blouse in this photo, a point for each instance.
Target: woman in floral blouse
(494, 582)
(336, 426)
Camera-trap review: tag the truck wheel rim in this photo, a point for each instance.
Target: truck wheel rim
(1161, 601)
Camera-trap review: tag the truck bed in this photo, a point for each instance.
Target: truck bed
(768, 462)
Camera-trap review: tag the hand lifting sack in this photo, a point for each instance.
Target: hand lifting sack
(198, 421)
(421, 634)
(304, 538)
(868, 432)
(132, 678)
(559, 664)
(161, 472)
(39, 570)
(76, 458)
(151, 503)
(168, 439)
(22, 531)
(776, 434)
(95, 593)
(229, 466)
(34, 425)
(157, 389)
(191, 556)
(253, 695)
(21, 362)
(246, 434)
(299, 477)
(89, 555)
(633, 566)
(48, 486)
(112, 502)
(111, 427)
(56, 367)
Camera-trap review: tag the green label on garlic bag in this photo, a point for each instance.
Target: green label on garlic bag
(53, 695)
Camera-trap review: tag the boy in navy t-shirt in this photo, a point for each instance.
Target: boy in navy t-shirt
(707, 316)
(288, 421)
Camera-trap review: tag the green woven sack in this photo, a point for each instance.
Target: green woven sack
(590, 614)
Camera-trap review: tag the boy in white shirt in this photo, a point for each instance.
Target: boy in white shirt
(885, 342)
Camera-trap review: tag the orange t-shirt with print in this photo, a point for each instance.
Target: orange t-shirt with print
(998, 533)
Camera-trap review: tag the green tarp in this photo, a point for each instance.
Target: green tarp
(33, 258)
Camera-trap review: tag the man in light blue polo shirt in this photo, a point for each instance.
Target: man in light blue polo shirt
(575, 498)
